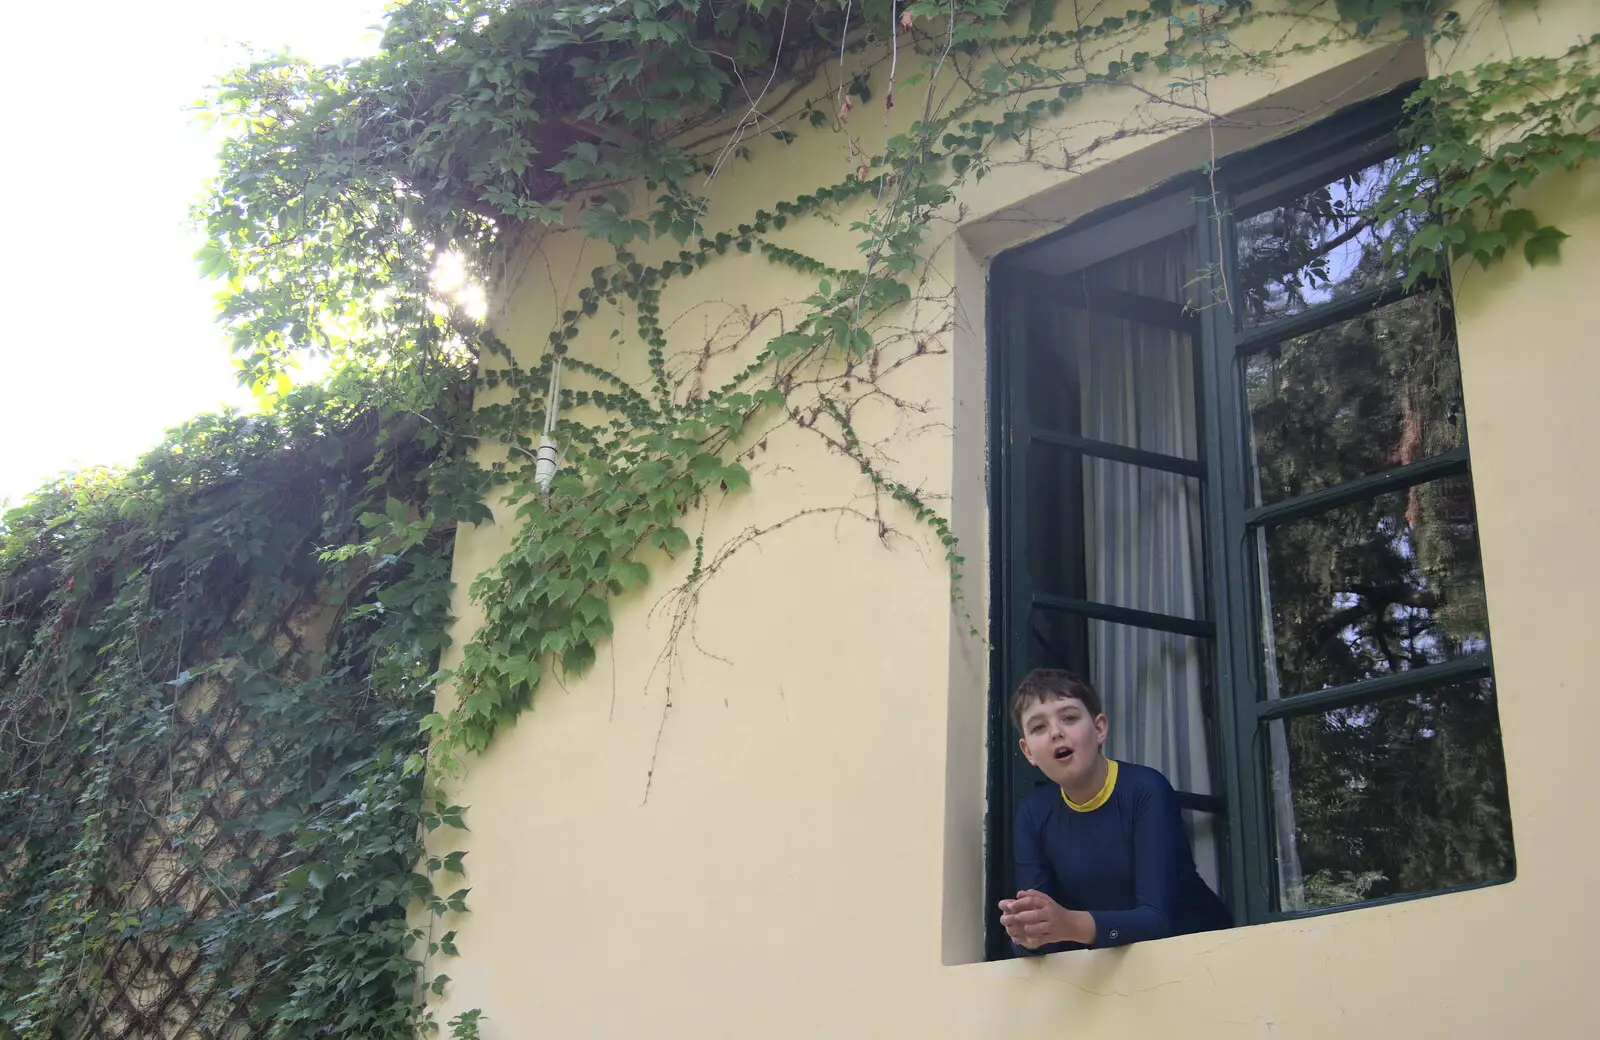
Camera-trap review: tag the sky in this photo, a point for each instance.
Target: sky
(109, 336)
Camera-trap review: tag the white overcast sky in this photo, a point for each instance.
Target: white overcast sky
(108, 336)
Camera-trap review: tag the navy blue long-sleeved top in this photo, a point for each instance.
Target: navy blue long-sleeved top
(1126, 860)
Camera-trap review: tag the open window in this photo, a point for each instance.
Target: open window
(1232, 486)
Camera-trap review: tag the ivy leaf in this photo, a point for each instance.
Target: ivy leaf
(520, 669)
(651, 473)
(735, 477)
(790, 342)
(671, 539)
(705, 466)
(1544, 246)
(578, 658)
(319, 876)
(480, 703)
(1518, 222)
(611, 226)
(630, 572)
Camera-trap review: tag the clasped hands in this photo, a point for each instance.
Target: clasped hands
(1033, 920)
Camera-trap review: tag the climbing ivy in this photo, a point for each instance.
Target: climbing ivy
(1478, 136)
(207, 718)
(481, 128)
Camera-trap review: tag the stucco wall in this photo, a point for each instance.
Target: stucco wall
(808, 860)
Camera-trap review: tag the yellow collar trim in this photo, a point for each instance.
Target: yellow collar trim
(1104, 794)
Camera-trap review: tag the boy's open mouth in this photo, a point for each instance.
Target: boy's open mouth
(1062, 754)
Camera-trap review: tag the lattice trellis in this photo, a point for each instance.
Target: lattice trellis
(188, 862)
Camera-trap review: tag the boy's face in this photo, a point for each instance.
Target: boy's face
(1063, 739)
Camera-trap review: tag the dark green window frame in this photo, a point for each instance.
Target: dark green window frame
(1232, 624)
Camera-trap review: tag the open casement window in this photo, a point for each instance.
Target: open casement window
(1232, 488)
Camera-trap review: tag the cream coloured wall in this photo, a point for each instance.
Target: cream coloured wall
(805, 858)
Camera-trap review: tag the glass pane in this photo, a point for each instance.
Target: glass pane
(1115, 533)
(1143, 544)
(1155, 687)
(1110, 379)
(1379, 587)
(1356, 397)
(1204, 830)
(1117, 381)
(1318, 245)
(1400, 796)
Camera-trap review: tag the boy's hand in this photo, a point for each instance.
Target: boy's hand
(1033, 920)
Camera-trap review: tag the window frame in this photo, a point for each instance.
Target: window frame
(1241, 769)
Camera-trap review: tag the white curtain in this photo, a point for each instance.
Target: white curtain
(1142, 526)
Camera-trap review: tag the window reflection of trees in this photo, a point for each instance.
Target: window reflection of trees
(1319, 245)
(1404, 794)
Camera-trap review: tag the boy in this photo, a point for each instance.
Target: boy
(1102, 856)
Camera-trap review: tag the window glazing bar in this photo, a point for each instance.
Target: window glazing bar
(1464, 669)
(1121, 453)
(1070, 290)
(1449, 464)
(1125, 615)
(1259, 338)
(1402, 897)
(1207, 803)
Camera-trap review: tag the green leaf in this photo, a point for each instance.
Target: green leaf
(791, 342)
(630, 572)
(1544, 246)
(735, 477)
(705, 466)
(520, 669)
(1518, 222)
(1429, 238)
(671, 539)
(578, 658)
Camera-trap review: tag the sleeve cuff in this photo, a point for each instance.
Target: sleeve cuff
(1114, 928)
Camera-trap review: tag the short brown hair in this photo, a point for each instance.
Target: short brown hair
(1050, 684)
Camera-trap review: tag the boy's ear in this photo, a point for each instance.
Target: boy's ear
(1022, 742)
(1101, 726)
